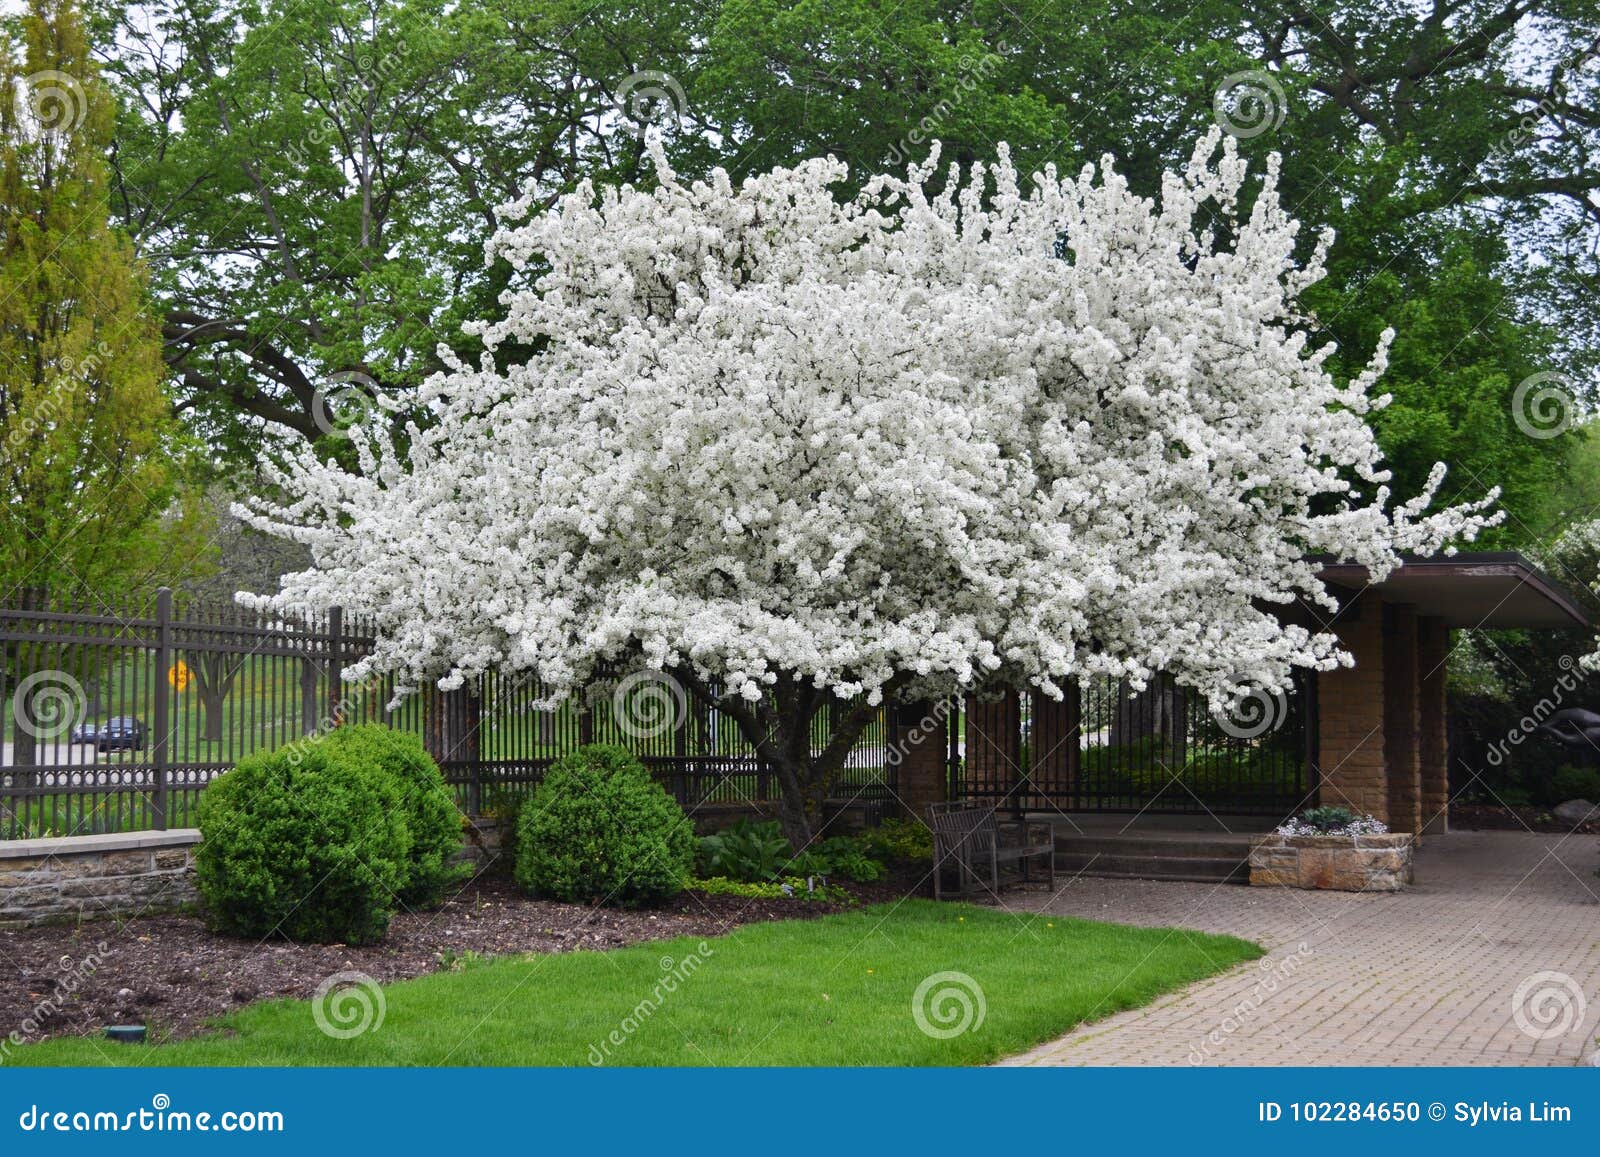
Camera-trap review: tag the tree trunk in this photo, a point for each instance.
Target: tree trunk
(213, 673)
(780, 731)
(24, 743)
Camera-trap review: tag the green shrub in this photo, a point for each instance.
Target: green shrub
(1576, 783)
(759, 852)
(302, 846)
(897, 842)
(1328, 819)
(840, 856)
(745, 851)
(430, 811)
(600, 830)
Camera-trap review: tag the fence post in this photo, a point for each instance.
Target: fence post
(336, 665)
(163, 706)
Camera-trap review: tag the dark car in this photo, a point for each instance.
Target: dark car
(84, 733)
(123, 733)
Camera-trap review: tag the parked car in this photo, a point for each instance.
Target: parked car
(84, 733)
(122, 733)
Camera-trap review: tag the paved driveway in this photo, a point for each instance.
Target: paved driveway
(1491, 958)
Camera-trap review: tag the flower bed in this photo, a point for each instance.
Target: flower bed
(1338, 852)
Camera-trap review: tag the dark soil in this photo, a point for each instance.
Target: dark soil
(1495, 818)
(170, 973)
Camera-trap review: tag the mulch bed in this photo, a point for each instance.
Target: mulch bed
(172, 974)
(1494, 818)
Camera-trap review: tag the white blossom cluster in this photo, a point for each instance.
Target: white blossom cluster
(944, 432)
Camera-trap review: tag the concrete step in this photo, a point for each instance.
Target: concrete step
(1185, 844)
(1167, 856)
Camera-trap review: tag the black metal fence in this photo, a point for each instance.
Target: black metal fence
(1105, 749)
(116, 716)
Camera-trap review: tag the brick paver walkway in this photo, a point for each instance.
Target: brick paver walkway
(1429, 976)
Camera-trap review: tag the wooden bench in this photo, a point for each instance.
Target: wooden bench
(978, 844)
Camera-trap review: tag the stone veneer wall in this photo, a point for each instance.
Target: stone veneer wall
(82, 877)
(1338, 863)
(1351, 769)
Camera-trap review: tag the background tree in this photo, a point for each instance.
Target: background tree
(309, 180)
(91, 459)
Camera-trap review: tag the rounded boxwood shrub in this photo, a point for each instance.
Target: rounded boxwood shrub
(601, 831)
(430, 811)
(299, 845)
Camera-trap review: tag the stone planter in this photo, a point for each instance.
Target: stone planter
(1340, 863)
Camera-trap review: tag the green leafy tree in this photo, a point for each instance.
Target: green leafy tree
(309, 180)
(90, 457)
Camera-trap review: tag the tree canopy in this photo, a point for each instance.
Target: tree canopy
(90, 454)
(941, 436)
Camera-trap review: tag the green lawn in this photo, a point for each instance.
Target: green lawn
(831, 991)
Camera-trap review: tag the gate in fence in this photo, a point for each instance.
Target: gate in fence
(115, 717)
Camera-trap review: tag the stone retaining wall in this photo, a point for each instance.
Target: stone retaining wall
(82, 877)
(1339, 863)
(134, 873)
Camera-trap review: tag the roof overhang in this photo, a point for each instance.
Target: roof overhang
(1490, 590)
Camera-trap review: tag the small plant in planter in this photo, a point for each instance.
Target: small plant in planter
(1332, 821)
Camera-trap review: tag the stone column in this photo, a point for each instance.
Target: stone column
(1433, 750)
(1350, 734)
(1401, 720)
(918, 739)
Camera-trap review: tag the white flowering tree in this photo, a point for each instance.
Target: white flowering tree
(787, 447)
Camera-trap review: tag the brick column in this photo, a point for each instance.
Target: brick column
(1054, 750)
(1402, 722)
(1350, 732)
(1433, 751)
(918, 739)
(994, 745)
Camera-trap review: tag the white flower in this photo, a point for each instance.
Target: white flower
(939, 437)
